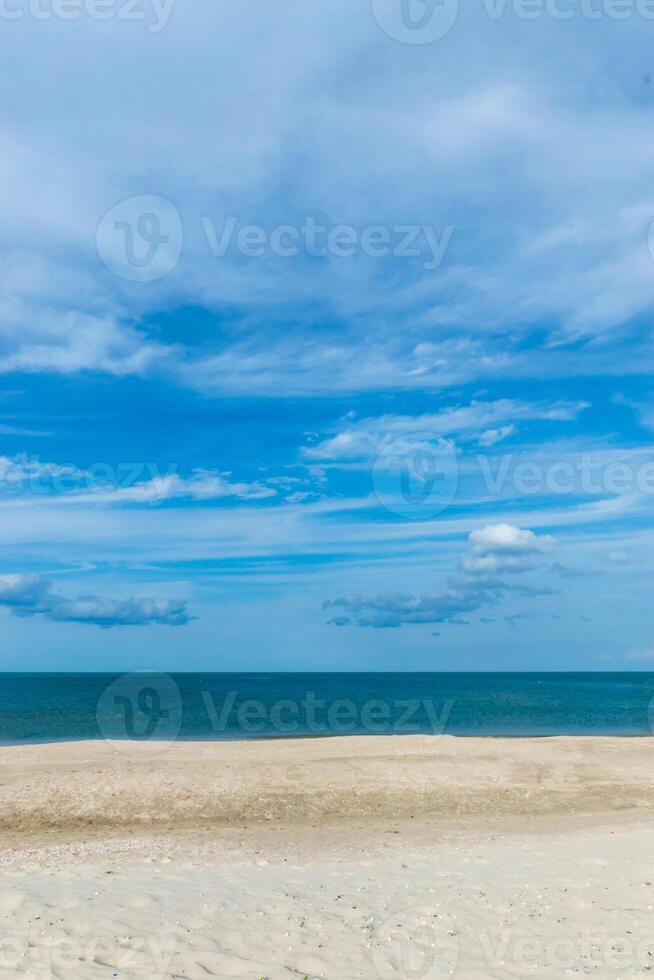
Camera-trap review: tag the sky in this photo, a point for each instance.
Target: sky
(325, 335)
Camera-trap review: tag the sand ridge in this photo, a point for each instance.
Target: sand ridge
(99, 784)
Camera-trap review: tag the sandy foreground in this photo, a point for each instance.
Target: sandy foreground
(380, 857)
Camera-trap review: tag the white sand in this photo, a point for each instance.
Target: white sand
(378, 896)
(571, 903)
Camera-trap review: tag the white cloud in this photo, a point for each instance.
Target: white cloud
(559, 147)
(363, 439)
(17, 471)
(492, 436)
(499, 548)
(72, 485)
(495, 549)
(32, 595)
(202, 485)
(505, 538)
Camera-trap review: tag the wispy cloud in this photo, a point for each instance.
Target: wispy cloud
(492, 436)
(565, 161)
(362, 439)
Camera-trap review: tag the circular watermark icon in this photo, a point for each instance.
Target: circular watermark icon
(418, 943)
(141, 707)
(140, 239)
(416, 475)
(415, 21)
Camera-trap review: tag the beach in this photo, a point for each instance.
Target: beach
(94, 785)
(372, 857)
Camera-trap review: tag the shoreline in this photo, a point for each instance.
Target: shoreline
(287, 737)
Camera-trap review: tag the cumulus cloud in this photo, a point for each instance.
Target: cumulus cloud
(33, 595)
(397, 609)
(495, 549)
(499, 548)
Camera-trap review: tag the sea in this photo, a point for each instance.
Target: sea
(149, 705)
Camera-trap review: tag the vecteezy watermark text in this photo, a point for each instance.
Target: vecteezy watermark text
(426, 21)
(320, 241)
(46, 954)
(565, 950)
(154, 13)
(585, 475)
(321, 716)
(27, 474)
(422, 943)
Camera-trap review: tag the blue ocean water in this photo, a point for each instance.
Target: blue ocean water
(148, 705)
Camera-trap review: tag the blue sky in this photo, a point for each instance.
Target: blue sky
(325, 344)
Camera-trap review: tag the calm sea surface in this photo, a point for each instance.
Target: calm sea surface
(144, 705)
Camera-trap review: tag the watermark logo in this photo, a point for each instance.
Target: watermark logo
(416, 475)
(416, 21)
(140, 239)
(141, 707)
(419, 943)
